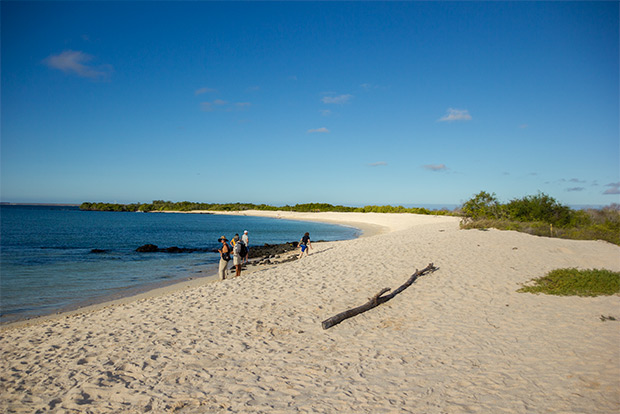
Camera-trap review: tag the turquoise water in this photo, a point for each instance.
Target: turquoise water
(47, 263)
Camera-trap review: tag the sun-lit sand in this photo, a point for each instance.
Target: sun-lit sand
(460, 340)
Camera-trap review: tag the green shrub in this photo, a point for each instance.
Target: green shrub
(540, 207)
(542, 215)
(574, 282)
(482, 205)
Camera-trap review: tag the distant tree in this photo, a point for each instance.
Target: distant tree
(540, 207)
(482, 205)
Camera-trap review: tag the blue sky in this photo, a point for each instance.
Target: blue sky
(350, 103)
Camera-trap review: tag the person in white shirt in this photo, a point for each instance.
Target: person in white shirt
(246, 240)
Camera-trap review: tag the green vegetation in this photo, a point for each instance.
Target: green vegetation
(159, 205)
(571, 282)
(542, 215)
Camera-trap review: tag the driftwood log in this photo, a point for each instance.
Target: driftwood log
(376, 300)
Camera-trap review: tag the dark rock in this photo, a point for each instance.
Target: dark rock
(147, 248)
(265, 251)
(270, 250)
(98, 251)
(151, 248)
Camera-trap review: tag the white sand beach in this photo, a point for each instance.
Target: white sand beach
(460, 340)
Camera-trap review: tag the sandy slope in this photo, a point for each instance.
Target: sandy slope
(459, 340)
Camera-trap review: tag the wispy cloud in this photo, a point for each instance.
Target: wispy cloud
(321, 130)
(220, 104)
(325, 112)
(572, 189)
(203, 90)
(435, 167)
(378, 164)
(614, 188)
(456, 115)
(78, 63)
(339, 99)
(206, 106)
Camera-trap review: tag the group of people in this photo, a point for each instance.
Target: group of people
(239, 248)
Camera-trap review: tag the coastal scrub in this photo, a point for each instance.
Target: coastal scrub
(542, 215)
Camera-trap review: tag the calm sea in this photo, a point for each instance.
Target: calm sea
(47, 262)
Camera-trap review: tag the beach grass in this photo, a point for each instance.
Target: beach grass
(575, 282)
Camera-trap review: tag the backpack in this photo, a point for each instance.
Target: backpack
(240, 249)
(226, 256)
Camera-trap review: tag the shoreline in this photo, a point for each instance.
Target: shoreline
(461, 339)
(368, 229)
(162, 288)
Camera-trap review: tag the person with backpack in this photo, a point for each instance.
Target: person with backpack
(239, 252)
(305, 245)
(224, 257)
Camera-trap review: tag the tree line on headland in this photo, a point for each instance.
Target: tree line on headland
(539, 214)
(160, 205)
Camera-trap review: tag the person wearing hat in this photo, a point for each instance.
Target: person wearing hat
(246, 240)
(224, 257)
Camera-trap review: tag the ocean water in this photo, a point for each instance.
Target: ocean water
(47, 262)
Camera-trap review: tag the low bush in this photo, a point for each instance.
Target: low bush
(574, 282)
(541, 215)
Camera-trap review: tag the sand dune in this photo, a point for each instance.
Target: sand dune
(460, 340)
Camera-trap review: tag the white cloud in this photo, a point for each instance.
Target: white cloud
(322, 130)
(77, 63)
(378, 164)
(203, 90)
(340, 99)
(456, 115)
(435, 167)
(325, 112)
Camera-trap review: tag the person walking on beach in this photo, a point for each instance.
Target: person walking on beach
(224, 257)
(246, 240)
(305, 245)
